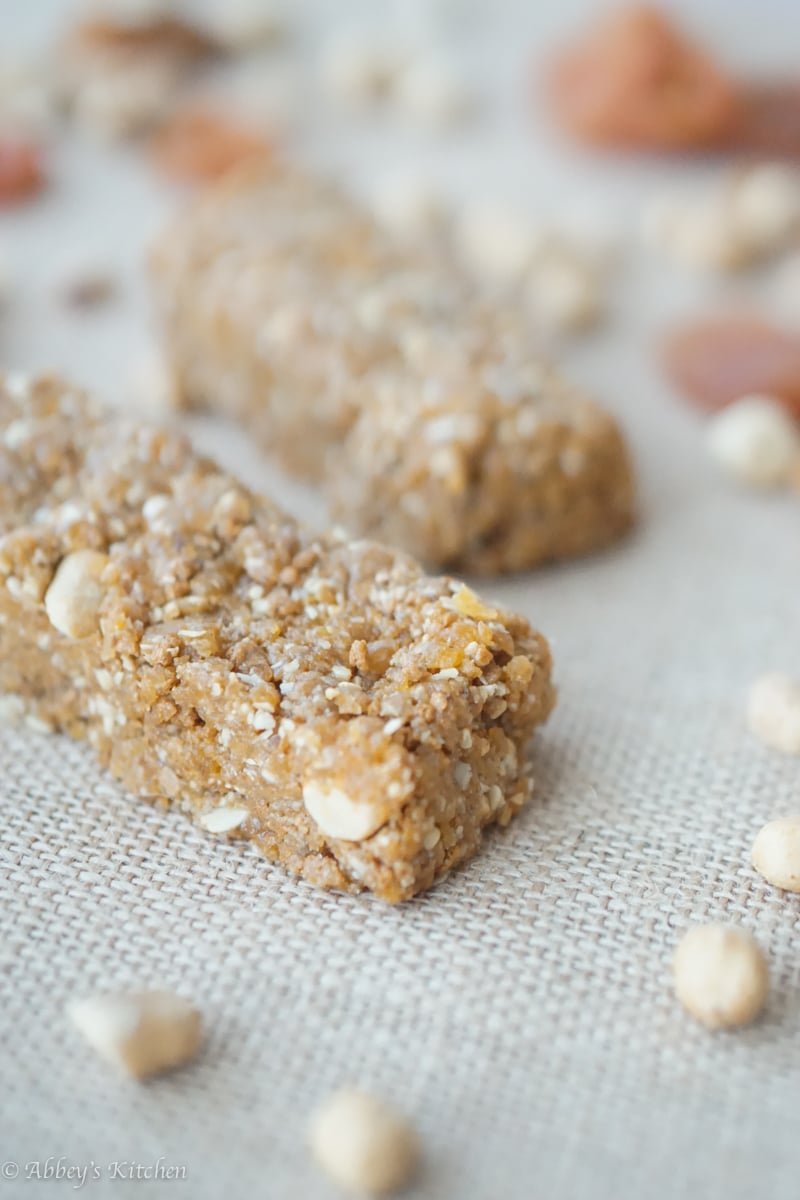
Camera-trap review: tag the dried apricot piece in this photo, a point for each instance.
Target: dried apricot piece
(21, 171)
(637, 82)
(716, 361)
(768, 123)
(198, 146)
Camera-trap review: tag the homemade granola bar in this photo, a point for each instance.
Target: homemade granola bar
(373, 368)
(358, 721)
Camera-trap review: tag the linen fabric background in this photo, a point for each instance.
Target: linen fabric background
(521, 1012)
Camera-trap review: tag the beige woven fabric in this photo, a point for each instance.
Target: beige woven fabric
(522, 1012)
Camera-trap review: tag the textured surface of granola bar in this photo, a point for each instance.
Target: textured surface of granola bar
(373, 368)
(355, 719)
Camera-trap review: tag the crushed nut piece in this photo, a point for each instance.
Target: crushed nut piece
(223, 820)
(143, 1033)
(339, 816)
(74, 597)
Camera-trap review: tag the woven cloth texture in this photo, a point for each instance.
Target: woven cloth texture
(522, 1012)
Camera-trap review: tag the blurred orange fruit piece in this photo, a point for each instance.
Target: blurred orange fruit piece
(768, 122)
(21, 171)
(636, 82)
(718, 360)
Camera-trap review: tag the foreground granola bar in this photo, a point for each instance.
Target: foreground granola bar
(356, 720)
(372, 368)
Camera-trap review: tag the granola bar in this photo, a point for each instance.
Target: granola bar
(357, 721)
(373, 368)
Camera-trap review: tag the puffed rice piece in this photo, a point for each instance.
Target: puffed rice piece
(720, 976)
(755, 441)
(773, 712)
(363, 1144)
(776, 853)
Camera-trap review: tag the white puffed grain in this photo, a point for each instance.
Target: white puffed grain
(720, 976)
(776, 853)
(363, 1144)
(773, 712)
(755, 440)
